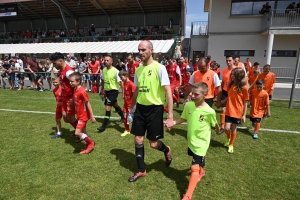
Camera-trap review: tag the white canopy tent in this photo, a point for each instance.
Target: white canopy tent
(159, 46)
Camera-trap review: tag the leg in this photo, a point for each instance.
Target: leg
(119, 111)
(222, 119)
(233, 129)
(227, 131)
(159, 145)
(106, 118)
(80, 133)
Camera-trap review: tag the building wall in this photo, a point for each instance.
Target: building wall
(217, 44)
(198, 44)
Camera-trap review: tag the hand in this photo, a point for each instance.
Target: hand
(268, 114)
(218, 104)
(169, 123)
(244, 119)
(93, 119)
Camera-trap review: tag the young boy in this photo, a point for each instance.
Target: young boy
(200, 118)
(58, 111)
(260, 103)
(84, 111)
(128, 88)
(269, 80)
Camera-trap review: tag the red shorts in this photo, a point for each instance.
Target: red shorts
(126, 108)
(173, 86)
(81, 124)
(58, 112)
(70, 110)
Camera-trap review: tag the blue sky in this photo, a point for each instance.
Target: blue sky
(195, 12)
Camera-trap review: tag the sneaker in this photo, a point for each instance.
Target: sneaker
(230, 149)
(221, 131)
(89, 148)
(56, 136)
(125, 133)
(265, 117)
(77, 140)
(168, 157)
(41, 90)
(136, 176)
(90, 90)
(186, 197)
(226, 143)
(255, 136)
(101, 128)
(201, 175)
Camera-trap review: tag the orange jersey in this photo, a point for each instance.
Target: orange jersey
(225, 78)
(236, 101)
(269, 80)
(259, 102)
(252, 79)
(208, 78)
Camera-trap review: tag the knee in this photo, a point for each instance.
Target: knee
(154, 144)
(195, 168)
(139, 139)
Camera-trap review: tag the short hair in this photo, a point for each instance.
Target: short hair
(256, 64)
(129, 54)
(56, 56)
(229, 56)
(167, 57)
(55, 78)
(267, 65)
(202, 86)
(76, 75)
(259, 82)
(123, 73)
(204, 59)
(108, 56)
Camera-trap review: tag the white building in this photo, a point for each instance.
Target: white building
(236, 27)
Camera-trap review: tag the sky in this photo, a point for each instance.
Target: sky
(195, 12)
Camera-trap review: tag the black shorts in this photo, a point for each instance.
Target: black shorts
(232, 120)
(270, 97)
(150, 119)
(255, 119)
(224, 96)
(197, 160)
(210, 102)
(111, 97)
(20, 76)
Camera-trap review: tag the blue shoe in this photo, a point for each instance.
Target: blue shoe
(56, 136)
(255, 136)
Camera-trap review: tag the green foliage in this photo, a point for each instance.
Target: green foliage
(33, 166)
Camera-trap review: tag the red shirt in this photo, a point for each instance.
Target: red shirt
(67, 90)
(131, 69)
(94, 68)
(80, 99)
(172, 74)
(185, 79)
(129, 88)
(57, 93)
(196, 68)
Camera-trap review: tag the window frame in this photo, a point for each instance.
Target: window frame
(251, 53)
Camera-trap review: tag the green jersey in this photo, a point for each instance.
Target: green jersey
(150, 80)
(111, 79)
(199, 122)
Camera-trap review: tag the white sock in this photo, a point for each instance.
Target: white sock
(59, 133)
(83, 136)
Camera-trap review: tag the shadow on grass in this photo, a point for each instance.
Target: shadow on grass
(214, 143)
(70, 140)
(177, 131)
(178, 176)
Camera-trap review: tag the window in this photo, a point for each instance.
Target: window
(247, 7)
(239, 52)
(283, 53)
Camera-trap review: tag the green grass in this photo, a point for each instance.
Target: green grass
(33, 166)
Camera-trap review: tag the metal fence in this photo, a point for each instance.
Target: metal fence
(199, 28)
(281, 18)
(284, 72)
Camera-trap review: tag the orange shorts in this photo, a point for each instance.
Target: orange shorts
(81, 124)
(70, 110)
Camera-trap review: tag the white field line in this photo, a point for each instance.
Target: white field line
(52, 113)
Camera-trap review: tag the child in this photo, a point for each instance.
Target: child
(84, 111)
(58, 111)
(236, 105)
(128, 88)
(252, 80)
(269, 80)
(260, 102)
(200, 118)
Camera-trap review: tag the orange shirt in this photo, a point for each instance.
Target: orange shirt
(248, 65)
(259, 102)
(208, 78)
(252, 79)
(269, 80)
(236, 101)
(226, 78)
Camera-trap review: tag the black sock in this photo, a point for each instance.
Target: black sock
(139, 154)
(120, 112)
(162, 147)
(106, 118)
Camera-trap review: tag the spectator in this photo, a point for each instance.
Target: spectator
(109, 30)
(82, 69)
(20, 74)
(11, 74)
(49, 71)
(32, 67)
(292, 11)
(93, 30)
(40, 75)
(69, 61)
(178, 50)
(266, 8)
(120, 65)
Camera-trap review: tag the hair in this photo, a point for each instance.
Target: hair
(239, 79)
(129, 54)
(56, 56)
(76, 75)
(230, 56)
(167, 57)
(256, 64)
(202, 86)
(204, 59)
(208, 57)
(267, 65)
(259, 82)
(55, 78)
(123, 73)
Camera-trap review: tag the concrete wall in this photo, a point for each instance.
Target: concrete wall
(198, 44)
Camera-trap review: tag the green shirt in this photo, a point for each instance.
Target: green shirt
(150, 80)
(199, 122)
(111, 79)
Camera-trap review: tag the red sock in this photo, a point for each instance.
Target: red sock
(257, 127)
(166, 109)
(227, 133)
(178, 96)
(126, 125)
(88, 140)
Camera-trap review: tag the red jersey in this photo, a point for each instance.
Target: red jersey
(80, 99)
(195, 66)
(131, 69)
(67, 90)
(94, 68)
(185, 79)
(128, 88)
(218, 71)
(57, 93)
(172, 73)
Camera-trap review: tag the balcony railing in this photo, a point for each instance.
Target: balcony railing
(281, 18)
(199, 28)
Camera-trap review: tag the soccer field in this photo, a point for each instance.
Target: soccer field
(34, 166)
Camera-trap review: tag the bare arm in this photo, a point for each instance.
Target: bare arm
(169, 121)
(89, 107)
(268, 111)
(219, 96)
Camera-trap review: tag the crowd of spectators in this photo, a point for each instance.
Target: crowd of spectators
(88, 33)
